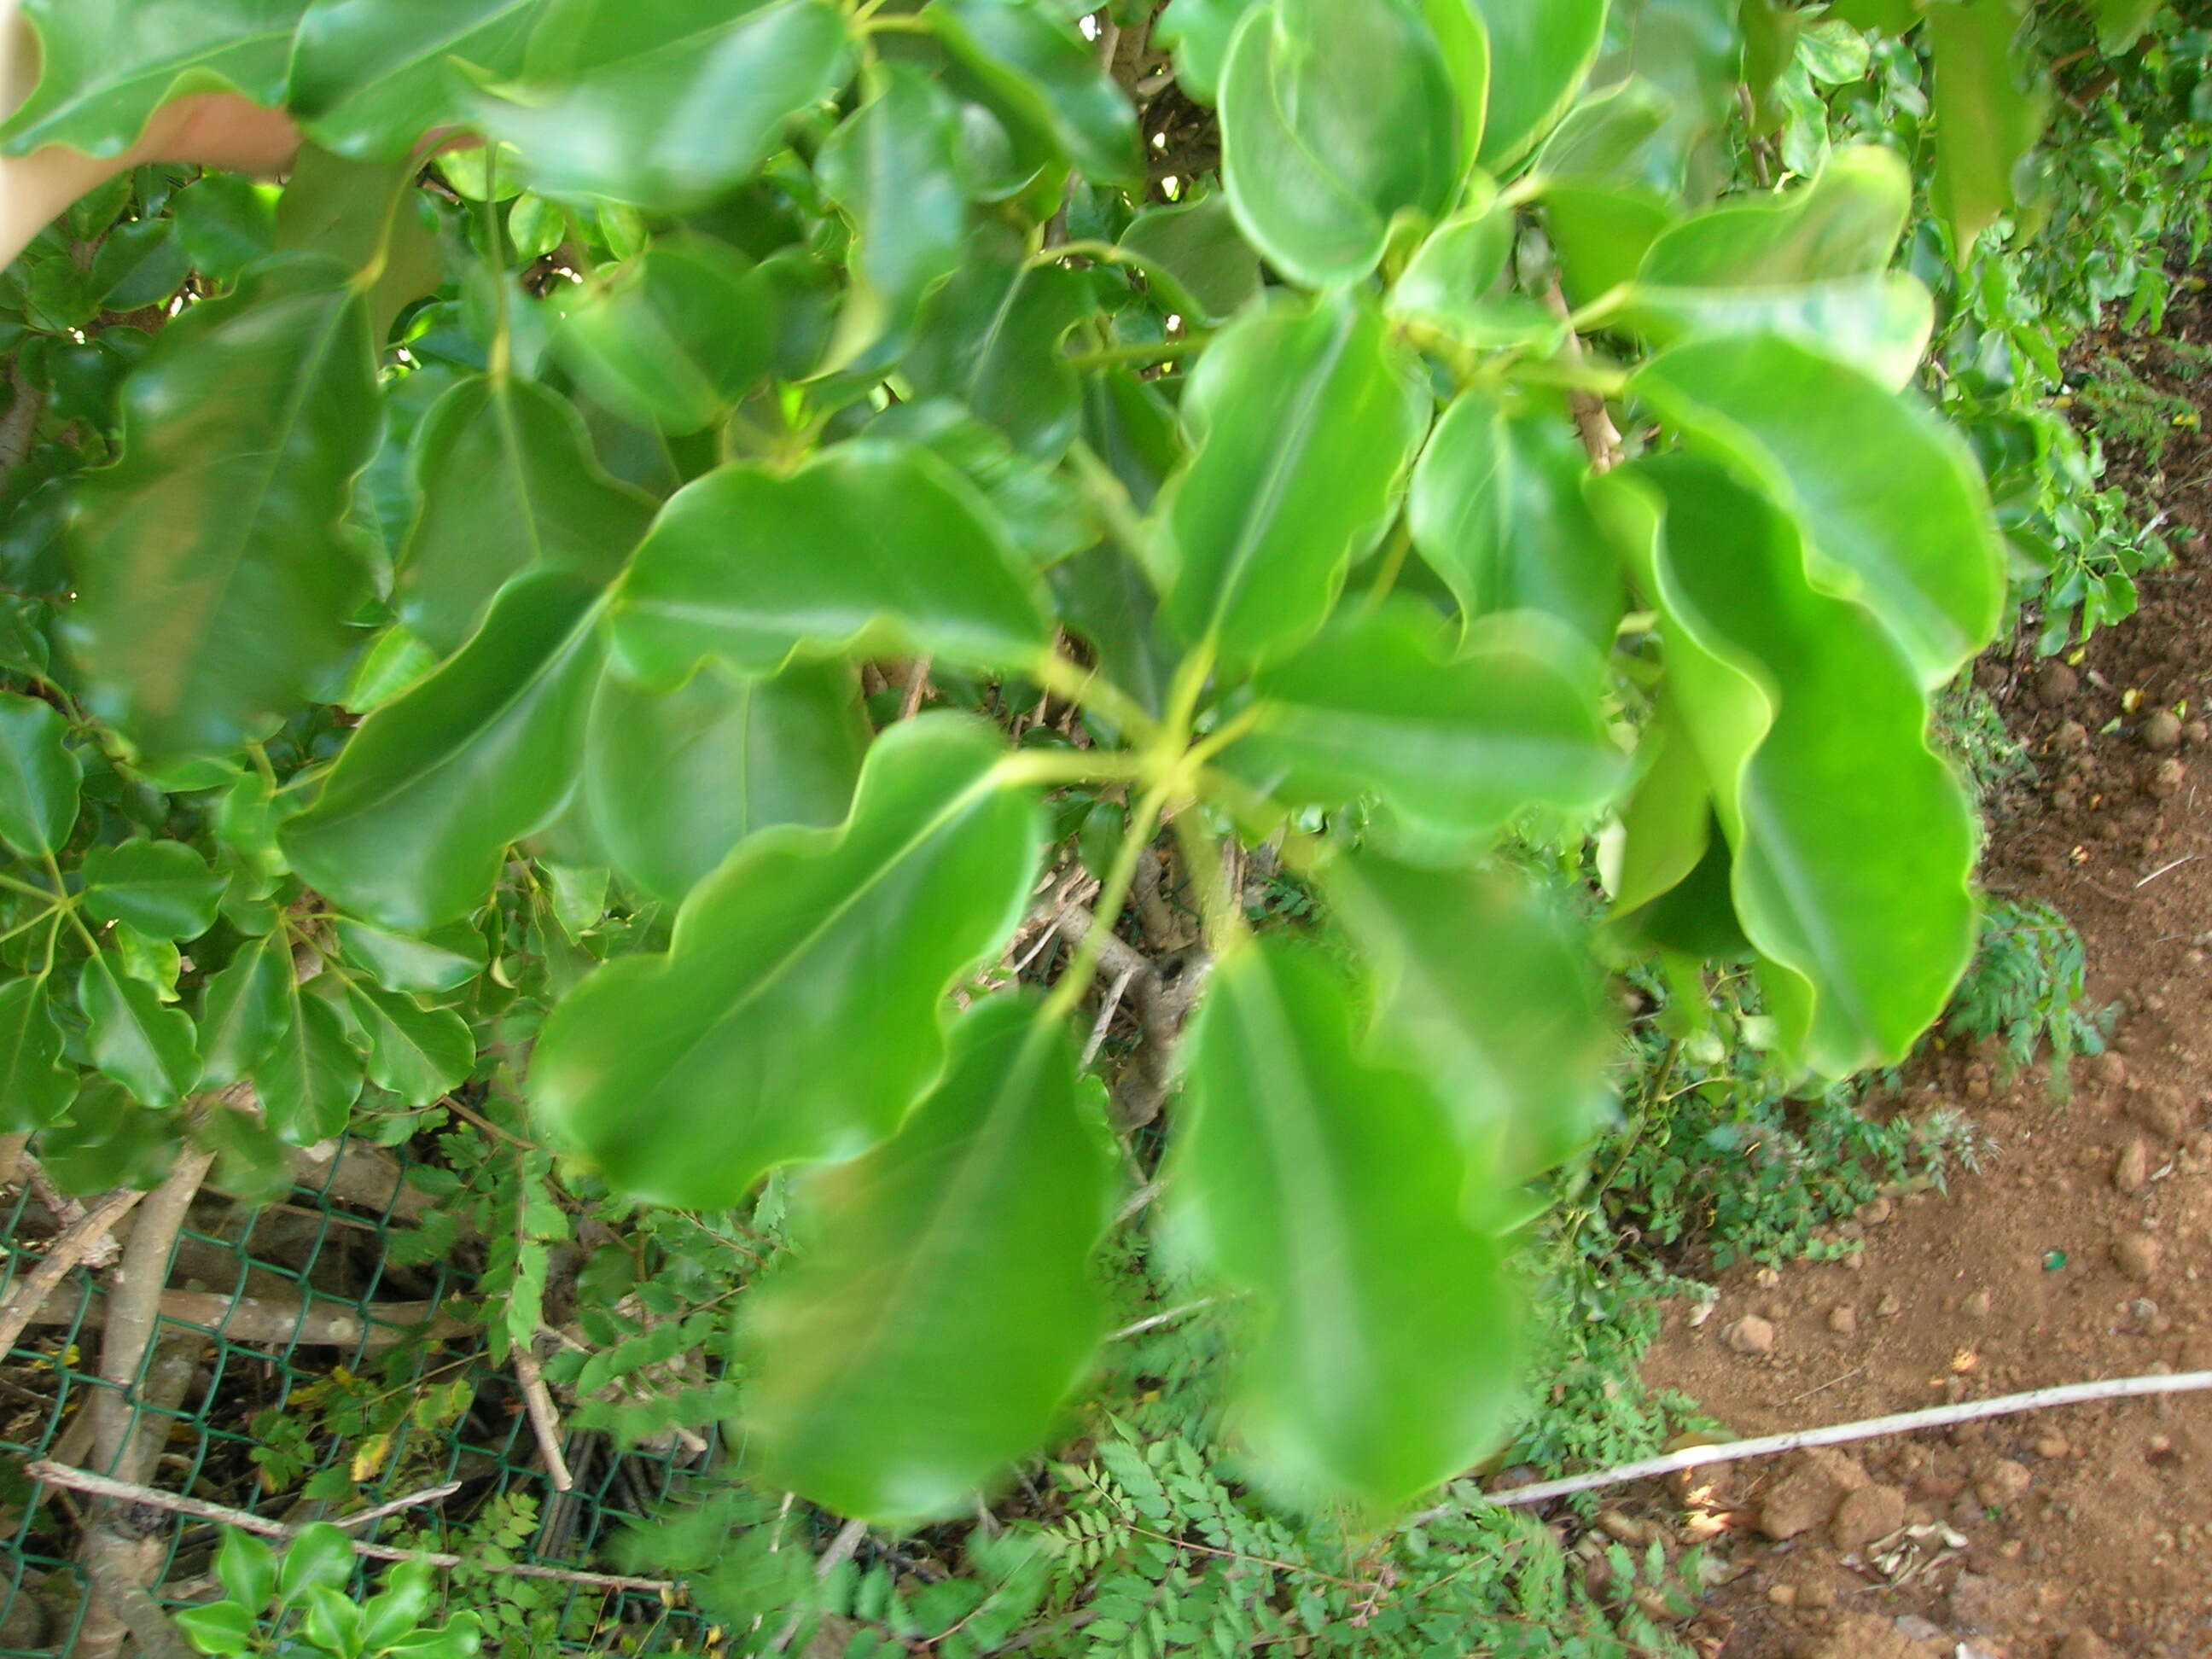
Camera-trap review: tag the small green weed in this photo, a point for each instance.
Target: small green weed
(1971, 733)
(2121, 404)
(2025, 988)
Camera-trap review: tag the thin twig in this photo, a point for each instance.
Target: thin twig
(1159, 1319)
(287, 1320)
(545, 1421)
(393, 1506)
(1106, 1008)
(84, 1481)
(1600, 437)
(1840, 1434)
(65, 1254)
(2187, 857)
(917, 687)
(1137, 1202)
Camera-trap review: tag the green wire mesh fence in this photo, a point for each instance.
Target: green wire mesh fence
(302, 1369)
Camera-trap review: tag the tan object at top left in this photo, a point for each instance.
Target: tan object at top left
(219, 129)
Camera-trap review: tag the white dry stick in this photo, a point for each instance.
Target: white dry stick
(1106, 1016)
(1839, 1434)
(99, 1486)
(545, 1421)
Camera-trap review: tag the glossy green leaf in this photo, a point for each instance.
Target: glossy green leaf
(247, 1568)
(1600, 135)
(1892, 504)
(1489, 993)
(1199, 33)
(2121, 23)
(369, 216)
(1889, 16)
(1990, 97)
(686, 1077)
(1691, 53)
(35, 1087)
(108, 1140)
(38, 776)
(224, 224)
(1853, 842)
(1844, 222)
(418, 1054)
(1105, 597)
(215, 577)
(1539, 56)
(106, 65)
(508, 484)
(443, 959)
(412, 823)
(868, 546)
(1336, 116)
(309, 1081)
(1304, 419)
(218, 1627)
(1672, 894)
(665, 108)
(890, 168)
(1383, 1352)
(1808, 263)
(1041, 507)
(371, 77)
(332, 1622)
(1449, 284)
(989, 339)
(1194, 253)
(1496, 508)
(409, 1588)
(244, 1010)
(157, 961)
(320, 1555)
(674, 337)
(1455, 746)
(1601, 233)
(1033, 69)
(1772, 31)
(140, 263)
(163, 888)
(676, 779)
(1464, 41)
(146, 1048)
(1878, 322)
(457, 1638)
(945, 1305)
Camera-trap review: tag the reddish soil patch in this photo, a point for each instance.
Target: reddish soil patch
(2083, 1251)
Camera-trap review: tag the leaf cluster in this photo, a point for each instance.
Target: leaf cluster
(613, 630)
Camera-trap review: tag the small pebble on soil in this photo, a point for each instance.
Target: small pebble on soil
(2136, 1256)
(2131, 1169)
(1749, 1335)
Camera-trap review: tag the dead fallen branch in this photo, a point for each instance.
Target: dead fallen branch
(249, 1319)
(148, 1367)
(1870, 1428)
(544, 1420)
(98, 1485)
(29, 1299)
